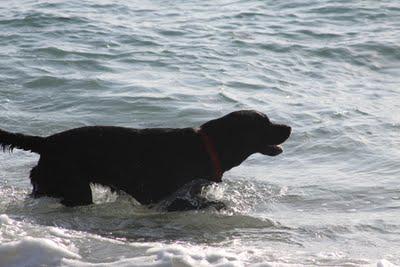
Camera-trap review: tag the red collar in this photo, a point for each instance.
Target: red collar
(212, 152)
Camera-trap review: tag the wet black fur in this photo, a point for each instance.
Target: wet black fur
(149, 164)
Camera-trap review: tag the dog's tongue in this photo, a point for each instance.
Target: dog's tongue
(272, 150)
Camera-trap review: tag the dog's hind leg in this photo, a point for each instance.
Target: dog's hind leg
(66, 185)
(76, 193)
(43, 185)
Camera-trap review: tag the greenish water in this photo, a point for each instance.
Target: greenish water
(330, 69)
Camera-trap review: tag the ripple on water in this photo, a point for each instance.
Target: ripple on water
(329, 69)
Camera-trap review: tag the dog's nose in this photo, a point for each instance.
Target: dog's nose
(286, 131)
(281, 133)
(289, 130)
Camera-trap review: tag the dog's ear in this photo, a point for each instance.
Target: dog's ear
(222, 126)
(212, 124)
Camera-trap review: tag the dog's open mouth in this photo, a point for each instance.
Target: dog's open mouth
(272, 150)
(277, 136)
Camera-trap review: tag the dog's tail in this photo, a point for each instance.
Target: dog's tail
(9, 141)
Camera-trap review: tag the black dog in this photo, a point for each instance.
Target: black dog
(149, 164)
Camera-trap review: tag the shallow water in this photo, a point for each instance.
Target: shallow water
(330, 69)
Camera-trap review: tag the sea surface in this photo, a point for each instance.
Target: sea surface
(330, 69)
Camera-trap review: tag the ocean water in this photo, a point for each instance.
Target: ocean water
(330, 69)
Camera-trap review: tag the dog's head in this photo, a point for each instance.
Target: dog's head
(251, 130)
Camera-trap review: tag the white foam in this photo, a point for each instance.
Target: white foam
(385, 263)
(9, 229)
(17, 248)
(194, 256)
(59, 232)
(170, 255)
(31, 251)
(4, 219)
(25, 244)
(102, 194)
